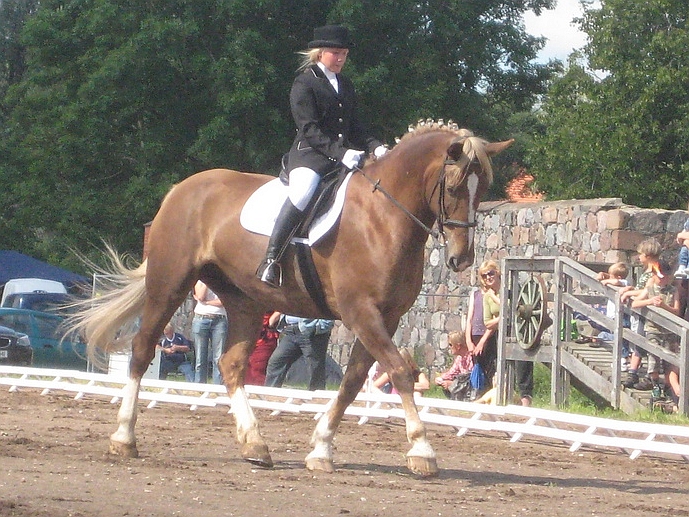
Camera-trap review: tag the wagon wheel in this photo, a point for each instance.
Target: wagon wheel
(531, 317)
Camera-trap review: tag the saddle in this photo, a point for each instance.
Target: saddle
(324, 197)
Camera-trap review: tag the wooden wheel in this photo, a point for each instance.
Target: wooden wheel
(531, 315)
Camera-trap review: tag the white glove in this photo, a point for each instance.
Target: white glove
(352, 158)
(380, 151)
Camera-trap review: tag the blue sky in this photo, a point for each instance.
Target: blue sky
(557, 26)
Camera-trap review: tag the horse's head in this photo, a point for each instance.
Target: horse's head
(466, 175)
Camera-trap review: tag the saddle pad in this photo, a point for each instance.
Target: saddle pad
(263, 206)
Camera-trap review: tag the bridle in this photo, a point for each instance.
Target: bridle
(440, 186)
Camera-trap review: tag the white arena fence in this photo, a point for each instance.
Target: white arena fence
(512, 422)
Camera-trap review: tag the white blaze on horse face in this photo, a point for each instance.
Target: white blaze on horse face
(472, 187)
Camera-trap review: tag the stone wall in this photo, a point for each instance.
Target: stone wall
(589, 231)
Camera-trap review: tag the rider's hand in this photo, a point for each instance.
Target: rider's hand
(380, 151)
(352, 158)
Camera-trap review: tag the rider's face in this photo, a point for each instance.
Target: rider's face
(334, 58)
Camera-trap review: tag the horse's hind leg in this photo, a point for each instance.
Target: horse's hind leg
(245, 324)
(154, 318)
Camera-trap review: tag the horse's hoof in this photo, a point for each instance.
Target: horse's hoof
(257, 455)
(126, 450)
(426, 467)
(322, 464)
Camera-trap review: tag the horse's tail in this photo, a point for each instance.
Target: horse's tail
(108, 321)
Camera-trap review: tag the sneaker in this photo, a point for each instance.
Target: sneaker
(631, 379)
(624, 366)
(681, 272)
(644, 384)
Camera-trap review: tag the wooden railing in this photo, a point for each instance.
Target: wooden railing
(573, 288)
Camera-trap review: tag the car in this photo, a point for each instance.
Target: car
(45, 333)
(43, 302)
(15, 348)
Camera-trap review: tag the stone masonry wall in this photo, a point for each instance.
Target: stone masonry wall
(595, 230)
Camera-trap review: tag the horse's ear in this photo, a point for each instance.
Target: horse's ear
(493, 148)
(456, 148)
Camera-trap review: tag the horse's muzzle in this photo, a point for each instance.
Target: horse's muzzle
(459, 263)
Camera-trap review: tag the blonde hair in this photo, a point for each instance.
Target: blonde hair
(619, 270)
(487, 265)
(309, 57)
(650, 247)
(456, 338)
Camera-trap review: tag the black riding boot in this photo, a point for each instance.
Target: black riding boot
(270, 270)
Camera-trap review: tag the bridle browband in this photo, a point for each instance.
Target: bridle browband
(441, 218)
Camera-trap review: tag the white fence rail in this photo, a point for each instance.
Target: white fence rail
(514, 422)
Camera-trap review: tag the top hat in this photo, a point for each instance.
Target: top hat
(331, 36)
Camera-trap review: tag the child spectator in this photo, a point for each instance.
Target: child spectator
(382, 381)
(615, 277)
(659, 292)
(649, 256)
(455, 381)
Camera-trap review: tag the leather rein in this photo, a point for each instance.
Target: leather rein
(442, 217)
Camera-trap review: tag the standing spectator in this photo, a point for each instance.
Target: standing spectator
(458, 375)
(300, 336)
(173, 354)
(265, 346)
(480, 342)
(683, 258)
(659, 292)
(649, 257)
(209, 328)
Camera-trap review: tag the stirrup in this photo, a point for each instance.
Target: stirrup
(270, 272)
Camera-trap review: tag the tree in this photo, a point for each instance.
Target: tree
(626, 134)
(121, 99)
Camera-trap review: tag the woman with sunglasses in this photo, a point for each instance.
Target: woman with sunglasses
(480, 337)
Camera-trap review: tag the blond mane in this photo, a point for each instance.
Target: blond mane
(474, 148)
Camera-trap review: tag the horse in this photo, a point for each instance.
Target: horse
(370, 267)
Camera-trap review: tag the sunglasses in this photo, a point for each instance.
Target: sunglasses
(489, 274)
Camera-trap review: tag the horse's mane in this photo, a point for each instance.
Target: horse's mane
(474, 148)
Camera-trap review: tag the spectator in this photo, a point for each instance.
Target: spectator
(300, 336)
(616, 276)
(683, 258)
(659, 292)
(481, 343)
(421, 383)
(455, 381)
(265, 346)
(649, 256)
(173, 354)
(209, 328)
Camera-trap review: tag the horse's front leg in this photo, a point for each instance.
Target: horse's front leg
(321, 457)
(232, 366)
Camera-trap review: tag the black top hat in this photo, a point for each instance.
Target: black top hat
(331, 36)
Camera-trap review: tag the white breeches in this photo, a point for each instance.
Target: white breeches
(302, 184)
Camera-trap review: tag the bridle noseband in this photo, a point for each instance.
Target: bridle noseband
(440, 186)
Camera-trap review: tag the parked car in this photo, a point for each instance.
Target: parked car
(45, 334)
(30, 285)
(43, 302)
(15, 348)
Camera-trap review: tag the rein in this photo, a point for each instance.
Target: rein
(441, 218)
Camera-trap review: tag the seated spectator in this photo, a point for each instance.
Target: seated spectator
(173, 354)
(455, 381)
(382, 382)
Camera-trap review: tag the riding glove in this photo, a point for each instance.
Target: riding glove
(352, 158)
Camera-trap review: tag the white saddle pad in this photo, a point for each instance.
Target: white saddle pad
(263, 206)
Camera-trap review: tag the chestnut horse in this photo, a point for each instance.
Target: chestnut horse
(370, 266)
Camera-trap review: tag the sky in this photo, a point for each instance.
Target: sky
(556, 25)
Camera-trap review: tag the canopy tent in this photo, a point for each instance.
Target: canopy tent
(17, 265)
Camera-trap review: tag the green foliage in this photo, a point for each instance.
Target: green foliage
(624, 133)
(114, 101)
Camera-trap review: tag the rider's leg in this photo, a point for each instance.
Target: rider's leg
(302, 184)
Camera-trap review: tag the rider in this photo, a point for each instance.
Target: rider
(323, 105)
